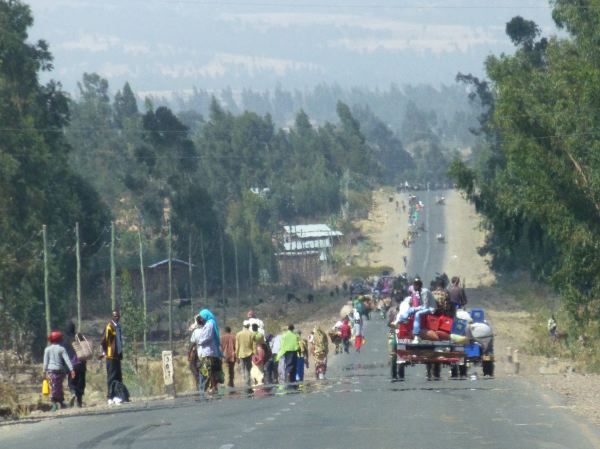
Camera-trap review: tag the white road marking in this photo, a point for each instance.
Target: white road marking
(227, 446)
(250, 429)
(259, 423)
(286, 410)
(270, 418)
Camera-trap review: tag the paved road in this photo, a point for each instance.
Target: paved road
(357, 407)
(427, 254)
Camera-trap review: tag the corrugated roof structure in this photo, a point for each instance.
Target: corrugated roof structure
(311, 231)
(166, 261)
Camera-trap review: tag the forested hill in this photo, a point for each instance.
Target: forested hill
(445, 112)
(223, 180)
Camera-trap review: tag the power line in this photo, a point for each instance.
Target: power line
(343, 5)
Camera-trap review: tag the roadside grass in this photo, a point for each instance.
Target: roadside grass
(9, 404)
(575, 342)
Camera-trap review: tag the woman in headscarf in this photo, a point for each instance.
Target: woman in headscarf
(207, 339)
(320, 351)
(55, 360)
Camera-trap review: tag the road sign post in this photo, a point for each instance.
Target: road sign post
(168, 372)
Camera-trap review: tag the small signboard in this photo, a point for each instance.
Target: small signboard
(168, 372)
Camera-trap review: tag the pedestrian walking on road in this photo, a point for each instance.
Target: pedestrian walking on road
(346, 332)
(320, 350)
(112, 350)
(55, 361)
(270, 371)
(357, 330)
(228, 350)
(258, 364)
(458, 297)
(208, 339)
(244, 348)
(288, 352)
(302, 360)
(278, 371)
(77, 383)
(392, 344)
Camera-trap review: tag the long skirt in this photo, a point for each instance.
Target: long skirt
(257, 373)
(320, 367)
(209, 368)
(55, 380)
(77, 385)
(358, 342)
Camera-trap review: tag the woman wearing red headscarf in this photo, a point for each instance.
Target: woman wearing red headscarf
(55, 360)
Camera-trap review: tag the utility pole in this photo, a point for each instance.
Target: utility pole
(190, 273)
(203, 257)
(143, 277)
(113, 271)
(78, 256)
(237, 272)
(170, 289)
(250, 270)
(46, 295)
(222, 244)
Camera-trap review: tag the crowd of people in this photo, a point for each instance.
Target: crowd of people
(262, 358)
(61, 359)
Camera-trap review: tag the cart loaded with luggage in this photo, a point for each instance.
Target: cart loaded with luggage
(459, 342)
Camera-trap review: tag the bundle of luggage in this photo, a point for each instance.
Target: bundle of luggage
(335, 337)
(461, 329)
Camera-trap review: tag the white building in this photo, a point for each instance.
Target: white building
(309, 237)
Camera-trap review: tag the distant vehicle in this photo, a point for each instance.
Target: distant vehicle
(440, 238)
(359, 286)
(441, 200)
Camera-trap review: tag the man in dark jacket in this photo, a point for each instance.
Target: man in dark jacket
(458, 296)
(112, 350)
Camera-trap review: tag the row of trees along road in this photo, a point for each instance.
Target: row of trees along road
(97, 159)
(537, 177)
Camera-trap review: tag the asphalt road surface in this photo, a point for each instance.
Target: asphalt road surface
(356, 407)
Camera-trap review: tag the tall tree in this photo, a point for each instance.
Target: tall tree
(36, 186)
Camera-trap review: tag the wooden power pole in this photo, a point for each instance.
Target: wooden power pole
(46, 294)
(143, 278)
(78, 257)
(113, 270)
(170, 249)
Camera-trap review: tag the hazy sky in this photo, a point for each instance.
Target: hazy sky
(169, 45)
